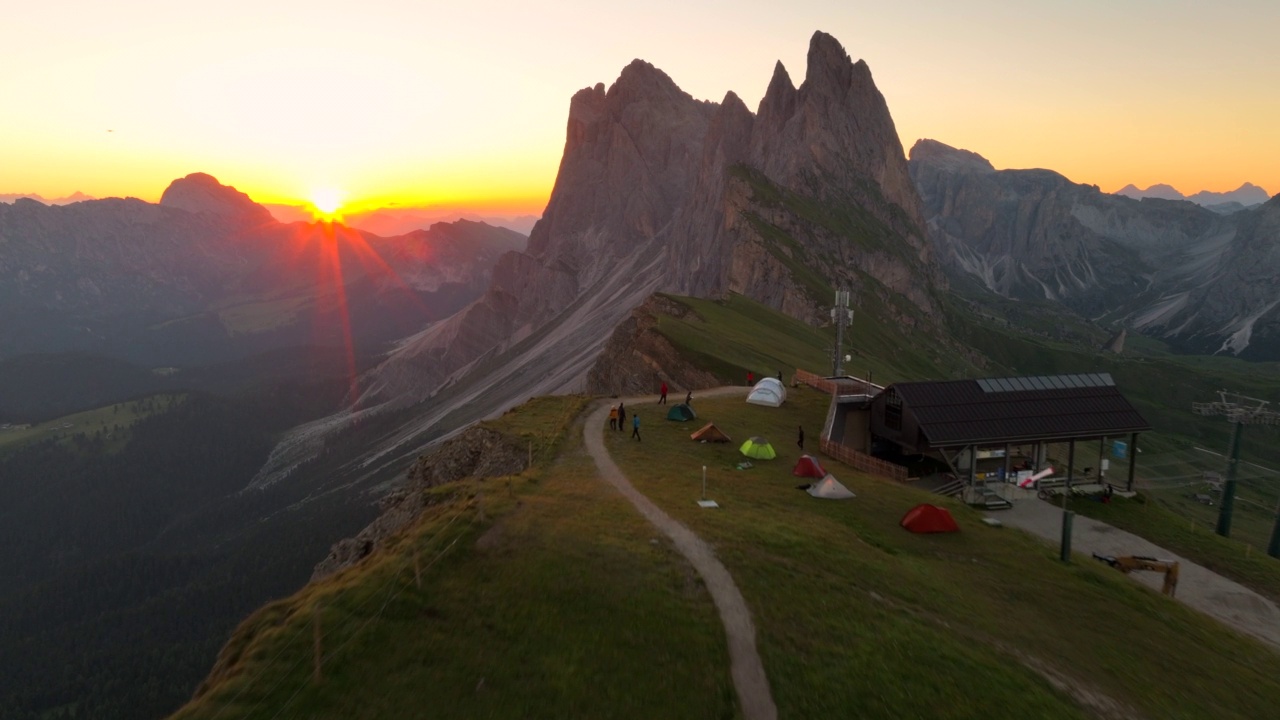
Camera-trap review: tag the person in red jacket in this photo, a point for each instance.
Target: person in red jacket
(663, 400)
(751, 378)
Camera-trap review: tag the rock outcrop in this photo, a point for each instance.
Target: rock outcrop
(638, 359)
(203, 194)
(1206, 282)
(477, 453)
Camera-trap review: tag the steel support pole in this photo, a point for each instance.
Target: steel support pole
(1067, 515)
(1273, 548)
(1229, 485)
(1133, 459)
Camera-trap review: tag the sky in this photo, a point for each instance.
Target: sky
(422, 103)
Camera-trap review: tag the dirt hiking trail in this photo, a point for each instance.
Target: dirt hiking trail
(747, 671)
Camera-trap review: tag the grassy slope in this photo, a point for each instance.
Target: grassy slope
(559, 604)
(858, 618)
(102, 419)
(730, 336)
(554, 603)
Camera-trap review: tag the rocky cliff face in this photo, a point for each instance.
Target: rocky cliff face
(1205, 281)
(659, 191)
(476, 453)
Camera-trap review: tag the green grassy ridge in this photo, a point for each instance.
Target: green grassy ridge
(548, 597)
(859, 618)
(730, 336)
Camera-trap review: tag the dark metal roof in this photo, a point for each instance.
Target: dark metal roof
(963, 412)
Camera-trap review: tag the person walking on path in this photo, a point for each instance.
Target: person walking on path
(635, 426)
(613, 417)
(800, 437)
(622, 418)
(663, 400)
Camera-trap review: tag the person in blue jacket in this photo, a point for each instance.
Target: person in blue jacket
(635, 426)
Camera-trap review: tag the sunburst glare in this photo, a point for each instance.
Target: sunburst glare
(326, 202)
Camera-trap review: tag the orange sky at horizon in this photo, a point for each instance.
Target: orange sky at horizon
(411, 104)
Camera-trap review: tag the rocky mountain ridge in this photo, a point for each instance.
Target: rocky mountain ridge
(1204, 281)
(660, 192)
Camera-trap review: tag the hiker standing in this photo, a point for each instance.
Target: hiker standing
(688, 398)
(622, 417)
(800, 436)
(663, 400)
(779, 376)
(635, 426)
(751, 377)
(613, 417)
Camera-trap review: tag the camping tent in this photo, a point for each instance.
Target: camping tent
(709, 433)
(758, 448)
(681, 412)
(929, 519)
(808, 466)
(829, 488)
(769, 392)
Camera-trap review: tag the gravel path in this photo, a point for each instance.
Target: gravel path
(1224, 600)
(745, 666)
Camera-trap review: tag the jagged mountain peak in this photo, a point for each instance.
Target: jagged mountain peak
(950, 158)
(642, 80)
(829, 65)
(202, 193)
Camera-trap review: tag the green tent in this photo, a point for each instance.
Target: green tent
(681, 412)
(758, 448)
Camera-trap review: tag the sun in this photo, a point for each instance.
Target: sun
(326, 202)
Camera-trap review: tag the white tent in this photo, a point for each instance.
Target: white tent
(769, 391)
(829, 488)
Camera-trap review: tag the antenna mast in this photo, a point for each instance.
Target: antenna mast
(841, 314)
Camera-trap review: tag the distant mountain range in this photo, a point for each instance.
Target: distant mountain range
(1246, 195)
(401, 220)
(74, 197)
(207, 275)
(1204, 281)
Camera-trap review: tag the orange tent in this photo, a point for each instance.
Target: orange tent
(709, 433)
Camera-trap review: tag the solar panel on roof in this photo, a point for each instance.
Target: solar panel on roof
(1011, 384)
(1106, 379)
(985, 385)
(1072, 381)
(1057, 382)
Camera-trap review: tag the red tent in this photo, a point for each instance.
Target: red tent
(808, 466)
(929, 519)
